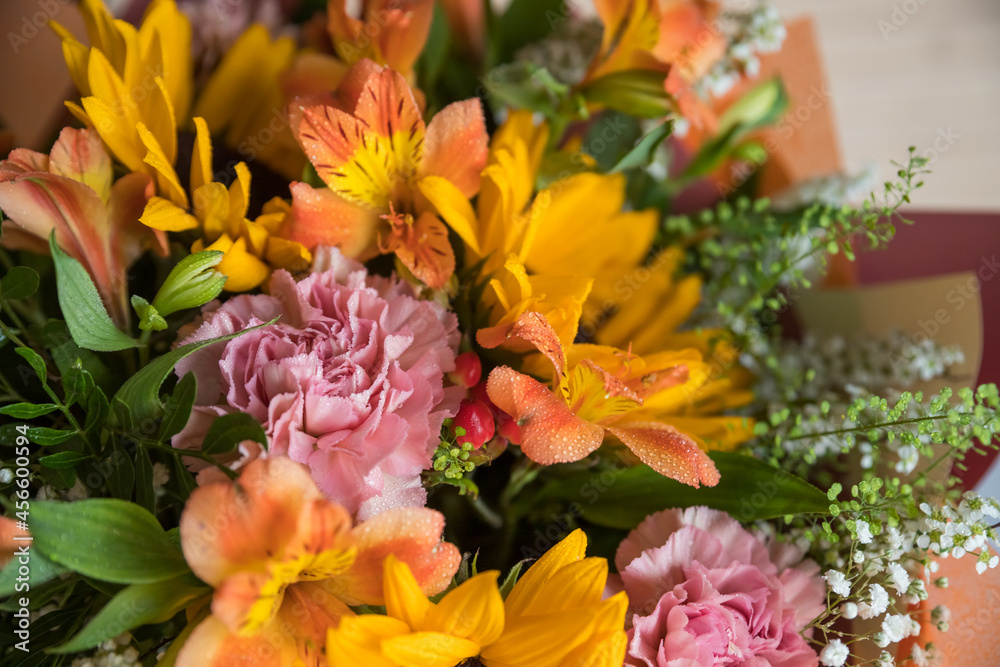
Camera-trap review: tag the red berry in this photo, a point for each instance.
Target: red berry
(473, 423)
(468, 370)
(478, 393)
(508, 428)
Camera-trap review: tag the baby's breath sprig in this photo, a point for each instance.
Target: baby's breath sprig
(748, 250)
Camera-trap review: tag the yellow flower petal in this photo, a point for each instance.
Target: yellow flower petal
(403, 598)
(358, 640)
(244, 271)
(289, 255)
(428, 649)
(473, 611)
(540, 641)
(454, 207)
(569, 550)
(211, 207)
(163, 214)
(201, 156)
(167, 183)
(76, 55)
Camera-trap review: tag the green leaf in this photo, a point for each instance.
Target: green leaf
(77, 383)
(136, 605)
(228, 431)
(750, 489)
(526, 86)
(40, 570)
(106, 538)
(645, 150)
(97, 410)
(19, 283)
(55, 339)
(88, 321)
(144, 494)
(36, 361)
(28, 410)
(63, 460)
(40, 435)
(121, 473)
(138, 400)
(177, 409)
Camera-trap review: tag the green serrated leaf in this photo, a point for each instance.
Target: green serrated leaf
(228, 431)
(105, 538)
(19, 283)
(89, 323)
(511, 579)
(177, 409)
(28, 410)
(749, 490)
(134, 606)
(139, 397)
(63, 460)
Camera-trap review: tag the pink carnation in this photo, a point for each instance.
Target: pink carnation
(704, 591)
(349, 381)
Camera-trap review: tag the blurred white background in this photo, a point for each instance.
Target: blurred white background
(916, 72)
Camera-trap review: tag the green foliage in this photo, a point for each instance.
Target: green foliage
(228, 431)
(621, 496)
(107, 539)
(134, 606)
(88, 320)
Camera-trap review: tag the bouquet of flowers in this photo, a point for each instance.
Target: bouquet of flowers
(433, 334)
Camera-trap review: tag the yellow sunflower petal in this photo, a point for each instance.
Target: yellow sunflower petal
(473, 611)
(358, 640)
(527, 589)
(403, 598)
(428, 649)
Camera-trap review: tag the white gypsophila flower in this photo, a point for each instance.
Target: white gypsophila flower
(859, 557)
(834, 654)
(838, 583)
(896, 627)
(885, 659)
(161, 475)
(864, 531)
(919, 657)
(6, 475)
(111, 653)
(879, 600)
(899, 578)
(849, 610)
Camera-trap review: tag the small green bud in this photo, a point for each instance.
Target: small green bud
(193, 282)
(149, 318)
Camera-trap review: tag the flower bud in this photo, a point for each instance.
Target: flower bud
(473, 424)
(468, 370)
(193, 282)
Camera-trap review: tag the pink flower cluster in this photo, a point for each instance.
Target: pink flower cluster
(349, 381)
(704, 591)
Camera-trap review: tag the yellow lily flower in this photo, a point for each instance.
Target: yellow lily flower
(258, 126)
(252, 248)
(135, 83)
(553, 617)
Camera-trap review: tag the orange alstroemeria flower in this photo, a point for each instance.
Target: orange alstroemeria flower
(389, 32)
(374, 160)
(96, 222)
(286, 563)
(675, 38)
(570, 421)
